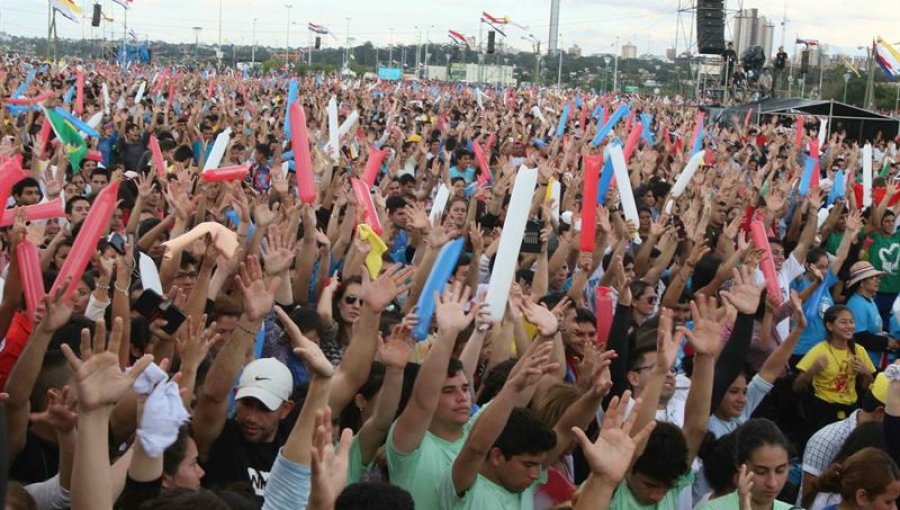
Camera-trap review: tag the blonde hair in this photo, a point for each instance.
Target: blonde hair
(549, 403)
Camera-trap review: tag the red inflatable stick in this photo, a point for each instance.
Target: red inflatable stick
(10, 173)
(158, 160)
(633, 138)
(32, 277)
(747, 117)
(44, 136)
(79, 93)
(798, 131)
(92, 229)
(589, 202)
(364, 200)
(22, 101)
(306, 184)
(761, 241)
(484, 174)
(373, 165)
(604, 314)
(47, 210)
(211, 87)
(228, 173)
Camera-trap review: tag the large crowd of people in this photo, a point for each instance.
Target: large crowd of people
(451, 303)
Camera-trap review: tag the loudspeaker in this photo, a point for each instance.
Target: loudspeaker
(95, 19)
(710, 27)
(491, 36)
(804, 62)
(318, 42)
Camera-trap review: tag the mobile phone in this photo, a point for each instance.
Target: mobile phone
(117, 242)
(531, 241)
(153, 306)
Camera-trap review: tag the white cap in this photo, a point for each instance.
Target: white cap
(267, 380)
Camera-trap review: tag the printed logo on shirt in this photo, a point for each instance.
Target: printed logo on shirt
(258, 480)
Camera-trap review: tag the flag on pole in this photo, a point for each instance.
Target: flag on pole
(132, 34)
(126, 4)
(457, 38)
(851, 67)
(318, 29)
(495, 20)
(76, 148)
(807, 42)
(68, 8)
(887, 57)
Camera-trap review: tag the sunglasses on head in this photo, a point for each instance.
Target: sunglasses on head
(351, 299)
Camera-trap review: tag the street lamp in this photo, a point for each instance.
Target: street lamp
(606, 60)
(196, 40)
(253, 51)
(846, 80)
(287, 38)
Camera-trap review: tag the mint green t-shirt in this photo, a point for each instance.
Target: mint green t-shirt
(485, 494)
(420, 471)
(355, 467)
(624, 499)
(732, 502)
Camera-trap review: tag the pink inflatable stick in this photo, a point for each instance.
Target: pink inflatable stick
(229, 173)
(158, 160)
(31, 274)
(47, 210)
(302, 160)
(364, 200)
(761, 241)
(373, 165)
(589, 202)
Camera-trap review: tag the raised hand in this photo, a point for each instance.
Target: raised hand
(610, 455)
(60, 413)
(533, 368)
(540, 316)
(378, 294)
(280, 251)
(744, 294)
(194, 340)
(56, 309)
(304, 348)
(706, 336)
(667, 344)
(394, 353)
(258, 298)
(99, 381)
(328, 463)
(450, 309)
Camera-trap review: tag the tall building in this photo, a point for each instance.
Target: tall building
(574, 51)
(670, 54)
(751, 29)
(629, 50)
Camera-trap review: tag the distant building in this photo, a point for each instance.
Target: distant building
(751, 29)
(575, 51)
(629, 50)
(670, 54)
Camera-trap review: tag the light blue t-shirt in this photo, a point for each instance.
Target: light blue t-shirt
(814, 310)
(468, 174)
(867, 318)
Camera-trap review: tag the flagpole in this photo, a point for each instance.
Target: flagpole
(791, 71)
(821, 70)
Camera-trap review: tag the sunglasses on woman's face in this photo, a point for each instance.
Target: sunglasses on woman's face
(351, 299)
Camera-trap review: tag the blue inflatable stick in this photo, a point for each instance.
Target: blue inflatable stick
(440, 274)
(563, 119)
(618, 115)
(79, 124)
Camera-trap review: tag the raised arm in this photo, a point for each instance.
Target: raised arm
(416, 417)
(212, 402)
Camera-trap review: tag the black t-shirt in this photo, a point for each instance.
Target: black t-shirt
(130, 153)
(780, 60)
(729, 56)
(234, 460)
(38, 461)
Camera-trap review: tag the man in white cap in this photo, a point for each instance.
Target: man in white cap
(248, 443)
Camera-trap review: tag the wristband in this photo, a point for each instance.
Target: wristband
(893, 373)
(246, 329)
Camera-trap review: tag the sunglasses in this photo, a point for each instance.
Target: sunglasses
(351, 299)
(651, 299)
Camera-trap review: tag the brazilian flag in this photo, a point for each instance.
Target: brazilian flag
(76, 147)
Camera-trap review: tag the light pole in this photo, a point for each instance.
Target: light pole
(846, 80)
(391, 49)
(559, 68)
(347, 53)
(607, 59)
(196, 40)
(253, 50)
(616, 67)
(418, 48)
(287, 38)
(447, 57)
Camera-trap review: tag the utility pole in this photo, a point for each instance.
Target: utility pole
(196, 40)
(616, 68)
(347, 57)
(391, 50)
(287, 38)
(870, 79)
(219, 43)
(253, 50)
(418, 49)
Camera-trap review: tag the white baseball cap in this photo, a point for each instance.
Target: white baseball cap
(267, 380)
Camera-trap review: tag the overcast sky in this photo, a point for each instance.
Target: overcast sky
(592, 24)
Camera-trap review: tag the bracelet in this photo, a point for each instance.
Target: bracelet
(123, 291)
(246, 329)
(103, 287)
(892, 373)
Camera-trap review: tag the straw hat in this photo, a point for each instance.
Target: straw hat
(860, 271)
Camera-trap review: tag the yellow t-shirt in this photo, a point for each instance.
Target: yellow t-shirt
(836, 383)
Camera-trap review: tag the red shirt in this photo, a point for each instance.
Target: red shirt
(13, 344)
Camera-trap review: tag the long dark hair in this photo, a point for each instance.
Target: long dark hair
(343, 328)
(831, 315)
